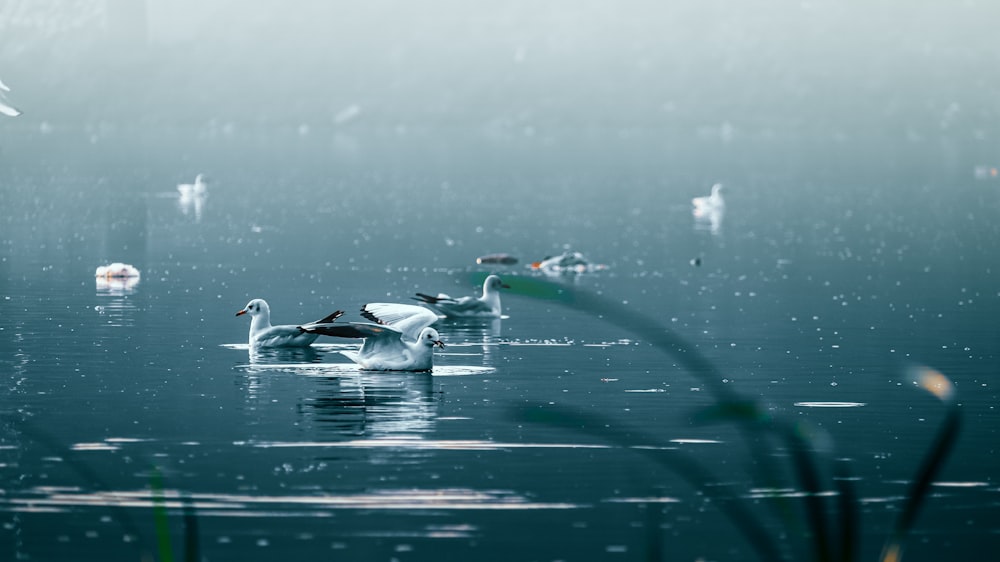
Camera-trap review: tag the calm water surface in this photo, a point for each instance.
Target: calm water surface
(838, 264)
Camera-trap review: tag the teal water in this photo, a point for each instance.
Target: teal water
(839, 263)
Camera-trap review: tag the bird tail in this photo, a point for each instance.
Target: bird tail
(331, 318)
(318, 326)
(429, 299)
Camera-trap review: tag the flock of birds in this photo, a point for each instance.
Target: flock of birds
(399, 337)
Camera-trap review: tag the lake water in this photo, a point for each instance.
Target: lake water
(129, 412)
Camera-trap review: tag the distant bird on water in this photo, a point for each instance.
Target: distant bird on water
(263, 334)
(400, 339)
(710, 203)
(5, 107)
(486, 306)
(195, 189)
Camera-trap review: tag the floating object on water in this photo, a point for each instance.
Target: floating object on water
(401, 338)
(499, 259)
(986, 172)
(696, 261)
(6, 108)
(710, 209)
(116, 278)
(263, 334)
(195, 189)
(117, 270)
(486, 306)
(567, 262)
(708, 203)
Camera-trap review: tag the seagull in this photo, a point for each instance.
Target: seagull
(195, 189)
(486, 306)
(5, 108)
(710, 203)
(400, 339)
(709, 210)
(263, 334)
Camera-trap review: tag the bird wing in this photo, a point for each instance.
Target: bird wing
(354, 330)
(407, 318)
(329, 319)
(430, 299)
(464, 306)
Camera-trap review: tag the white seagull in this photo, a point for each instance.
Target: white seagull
(486, 306)
(6, 108)
(401, 338)
(704, 206)
(263, 334)
(195, 189)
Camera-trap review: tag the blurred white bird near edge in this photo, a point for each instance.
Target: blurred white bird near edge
(5, 107)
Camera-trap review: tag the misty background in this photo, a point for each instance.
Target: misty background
(907, 70)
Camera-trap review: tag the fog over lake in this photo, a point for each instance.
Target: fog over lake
(635, 408)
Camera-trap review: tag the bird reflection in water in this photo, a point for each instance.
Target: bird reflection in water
(276, 355)
(114, 298)
(708, 211)
(191, 199)
(372, 404)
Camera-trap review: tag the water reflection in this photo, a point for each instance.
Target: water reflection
(115, 300)
(192, 196)
(191, 204)
(116, 286)
(465, 335)
(372, 404)
(279, 355)
(709, 218)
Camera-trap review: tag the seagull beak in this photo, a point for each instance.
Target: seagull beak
(439, 343)
(504, 286)
(242, 312)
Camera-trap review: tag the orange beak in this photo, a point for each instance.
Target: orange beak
(242, 312)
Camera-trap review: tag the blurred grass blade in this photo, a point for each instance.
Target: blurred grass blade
(731, 406)
(798, 443)
(940, 386)
(696, 475)
(87, 474)
(735, 411)
(848, 507)
(191, 547)
(646, 328)
(160, 520)
(808, 475)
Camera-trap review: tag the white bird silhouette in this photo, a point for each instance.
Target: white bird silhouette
(263, 334)
(5, 107)
(401, 338)
(704, 205)
(486, 306)
(195, 189)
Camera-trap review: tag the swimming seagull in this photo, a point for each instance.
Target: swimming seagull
(709, 211)
(5, 107)
(400, 339)
(486, 306)
(195, 189)
(714, 202)
(263, 334)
